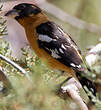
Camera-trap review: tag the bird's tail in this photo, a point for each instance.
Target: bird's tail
(88, 83)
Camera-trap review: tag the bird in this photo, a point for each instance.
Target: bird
(50, 42)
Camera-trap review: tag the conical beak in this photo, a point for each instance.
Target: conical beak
(12, 13)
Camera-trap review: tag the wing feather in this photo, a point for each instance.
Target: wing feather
(58, 44)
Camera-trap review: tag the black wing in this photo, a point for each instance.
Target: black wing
(61, 47)
(58, 44)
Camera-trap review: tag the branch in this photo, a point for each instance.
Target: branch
(16, 66)
(94, 55)
(72, 88)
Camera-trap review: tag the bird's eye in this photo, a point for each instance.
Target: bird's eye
(36, 11)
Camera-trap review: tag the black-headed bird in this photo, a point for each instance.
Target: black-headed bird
(50, 42)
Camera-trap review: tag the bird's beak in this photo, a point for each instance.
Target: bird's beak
(12, 13)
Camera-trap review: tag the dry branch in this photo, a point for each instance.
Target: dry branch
(72, 88)
(16, 66)
(94, 55)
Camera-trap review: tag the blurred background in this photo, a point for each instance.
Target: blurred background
(86, 10)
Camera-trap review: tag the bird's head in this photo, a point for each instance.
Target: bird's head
(25, 13)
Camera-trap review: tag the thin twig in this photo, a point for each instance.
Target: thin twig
(16, 66)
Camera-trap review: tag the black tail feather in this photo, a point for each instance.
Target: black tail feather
(88, 83)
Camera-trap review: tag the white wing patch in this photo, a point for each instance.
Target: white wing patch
(72, 64)
(61, 50)
(57, 37)
(55, 53)
(63, 46)
(76, 66)
(44, 38)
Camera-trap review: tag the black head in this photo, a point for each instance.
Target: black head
(23, 10)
